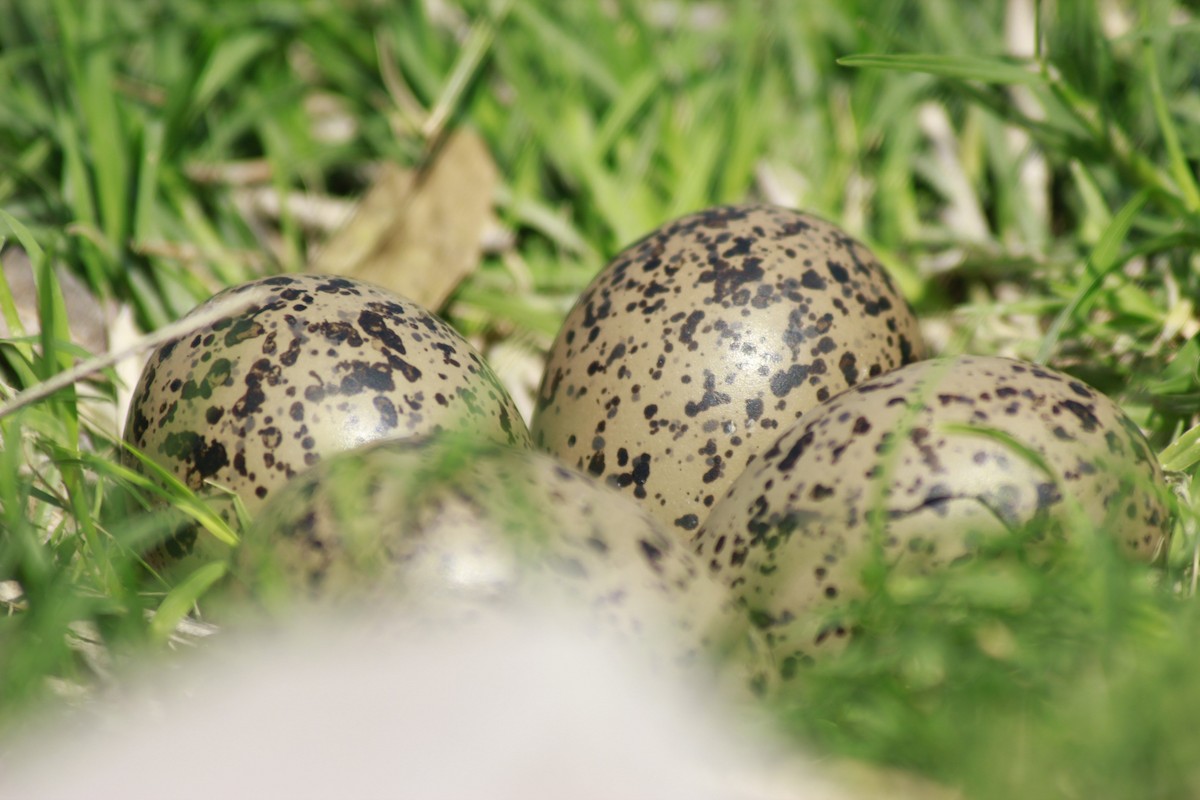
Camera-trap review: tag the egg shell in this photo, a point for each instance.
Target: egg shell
(456, 528)
(313, 366)
(944, 451)
(695, 347)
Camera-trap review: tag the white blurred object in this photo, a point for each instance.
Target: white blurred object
(520, 708)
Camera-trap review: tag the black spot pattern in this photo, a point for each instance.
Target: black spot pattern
(725, 324)
(314, 365)
(886, 452)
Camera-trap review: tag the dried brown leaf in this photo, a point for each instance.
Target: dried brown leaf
(419, 233)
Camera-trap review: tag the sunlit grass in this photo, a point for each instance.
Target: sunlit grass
(1033, 197)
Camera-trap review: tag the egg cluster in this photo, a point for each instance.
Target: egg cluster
(737, 412)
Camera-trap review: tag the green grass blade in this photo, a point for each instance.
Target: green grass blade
(1183, 453)
(572, 51)
(8, 305)
(144, 226)
(20, 541)
(181, 599)
(230, 58)
(52, 312)
(23, 235)
(183, 498)
(78, 185)
(964, 68)
(633, 98)
(466, 67)
(1181, 170)
(1104, 259)
(23, 359)
(106, 131)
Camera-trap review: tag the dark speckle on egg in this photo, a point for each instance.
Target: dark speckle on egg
(314, 365)
(937, 454)
(718, 327)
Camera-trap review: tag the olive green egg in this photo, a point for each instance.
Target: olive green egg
(453, 528)
(919, 467)
(308, 365)
(697, 346)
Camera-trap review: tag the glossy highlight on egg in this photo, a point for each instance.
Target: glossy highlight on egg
(453, 528)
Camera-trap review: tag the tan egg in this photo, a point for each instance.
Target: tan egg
(695, 347)
(313, 366)
(923, 462)
(458, 529)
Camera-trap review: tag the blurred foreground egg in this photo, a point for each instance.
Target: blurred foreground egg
(457, 529)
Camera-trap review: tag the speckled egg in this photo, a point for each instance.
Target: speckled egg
(312, 366)
(928, 458)
(454, 528)
(695, 347)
